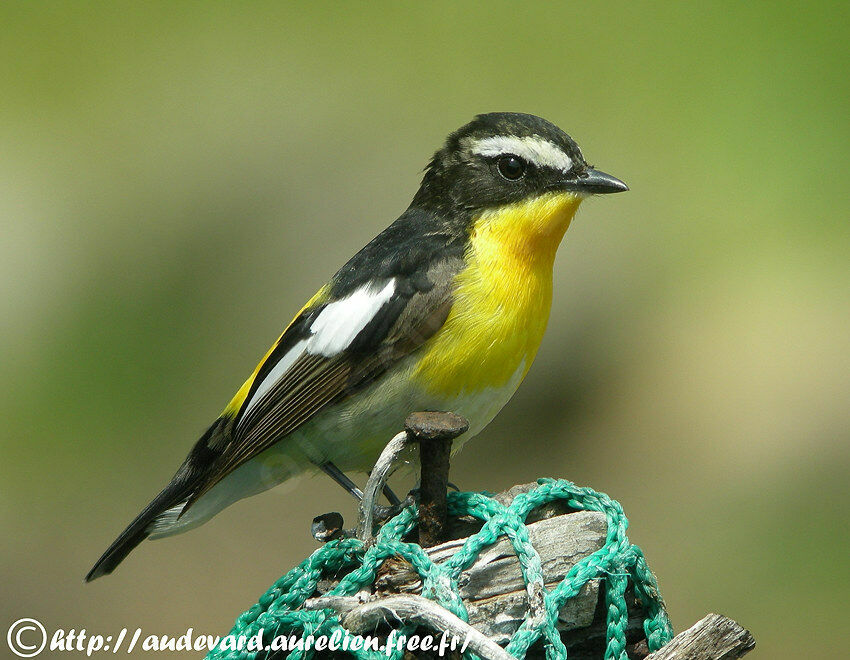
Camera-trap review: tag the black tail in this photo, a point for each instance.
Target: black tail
(182, 486)
(138, 530)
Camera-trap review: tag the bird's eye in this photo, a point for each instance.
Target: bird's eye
(511, 167)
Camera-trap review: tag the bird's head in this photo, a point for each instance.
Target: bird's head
(508, 160)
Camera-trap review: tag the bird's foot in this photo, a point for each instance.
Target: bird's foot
(384, 513)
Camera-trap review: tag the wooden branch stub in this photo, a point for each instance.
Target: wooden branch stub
(713, 637)
(377, 480)
(327, 527)
(434, 431)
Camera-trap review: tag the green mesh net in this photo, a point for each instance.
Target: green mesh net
(617, 564)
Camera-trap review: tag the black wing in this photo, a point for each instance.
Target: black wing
(418, 307)
(421, 259)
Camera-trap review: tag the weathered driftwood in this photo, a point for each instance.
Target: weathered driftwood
(494, 592)
(714, 637)
(362, 615)
(493, 588)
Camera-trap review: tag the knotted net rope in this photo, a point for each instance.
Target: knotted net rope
(618, 562)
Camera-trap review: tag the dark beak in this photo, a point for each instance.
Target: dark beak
(594, 182)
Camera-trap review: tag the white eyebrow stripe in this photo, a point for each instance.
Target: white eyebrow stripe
(533, 148)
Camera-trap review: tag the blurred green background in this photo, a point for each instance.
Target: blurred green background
(176, 179)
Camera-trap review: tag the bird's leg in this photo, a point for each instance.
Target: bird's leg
(396, 505)
(382, 512)
(392, 498)
(339, 476)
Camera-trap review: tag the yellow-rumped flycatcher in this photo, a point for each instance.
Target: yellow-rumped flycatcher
(443, 310)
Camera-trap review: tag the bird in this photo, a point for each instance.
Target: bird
(443, 310)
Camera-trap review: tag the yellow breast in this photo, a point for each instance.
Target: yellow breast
(501, 299)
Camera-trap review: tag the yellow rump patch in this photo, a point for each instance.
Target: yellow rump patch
(502, 298)
(235, 405)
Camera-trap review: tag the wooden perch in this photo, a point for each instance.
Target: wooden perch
(714, 637)
(377, 479)
(496, 596)
(361, 616)
(493, 589)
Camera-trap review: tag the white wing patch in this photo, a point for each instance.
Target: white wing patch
(279, 369)
(341, 321)
(332, 332)
(532, 148)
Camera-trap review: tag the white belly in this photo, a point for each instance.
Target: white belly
(350, 434)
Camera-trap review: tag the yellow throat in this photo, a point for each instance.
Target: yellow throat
(502, 298)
